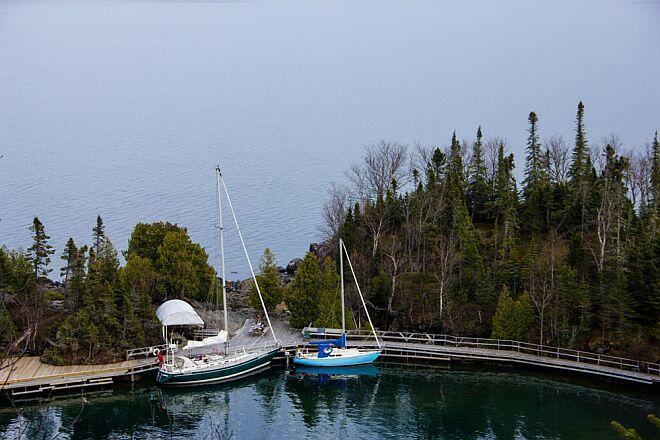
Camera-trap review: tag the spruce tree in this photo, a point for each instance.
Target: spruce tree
(40, 251)
(655, 185)
(69, 256)
(98, 234)
(534, 161)
(478, 181)
(581, 149)
(269, 283)
(304, 292)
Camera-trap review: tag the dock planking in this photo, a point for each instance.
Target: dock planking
(28, 374)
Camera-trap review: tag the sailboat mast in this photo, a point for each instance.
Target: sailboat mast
(222, 252)
(247, 256)
(364, 304)
(341, 277)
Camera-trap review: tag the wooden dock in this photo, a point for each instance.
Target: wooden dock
(411, 346)
(28, 375)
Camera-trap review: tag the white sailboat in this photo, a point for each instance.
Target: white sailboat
(334, 353)
(213, 368)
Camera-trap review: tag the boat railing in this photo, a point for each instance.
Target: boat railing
(547, 351)
(145, 351)
(252, 348)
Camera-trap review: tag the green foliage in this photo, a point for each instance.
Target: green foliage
(303, 295)
(627, 433)
(478, 194)
(434, 254)
(113, 308)
(98, 234)
(181, 266)
(329, 304)
(7, 327)
(269, 283)
(513, 318)
(314, 296)
(53, 295)
(40, 251)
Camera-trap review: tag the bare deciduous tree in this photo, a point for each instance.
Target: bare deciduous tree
(381, 164)
(444, 262)
(639, 177)
(393, 250)
(492, 146)
(559, 156)
(334, 210)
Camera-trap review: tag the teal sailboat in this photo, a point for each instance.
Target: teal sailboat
(179, 370)
(334, 353)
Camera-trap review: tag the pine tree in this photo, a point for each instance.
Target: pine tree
(69, 256)
(655, 186)
(40, 251)
(76, 286)
(269, 283)
(513, 318)
(455, 172)
(478, 190)
(303, 294)
(534, 162)
(98, 233)
(329, 305)
(581, 149)
(580, 173)
(505, 201)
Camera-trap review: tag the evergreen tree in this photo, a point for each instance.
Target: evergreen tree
(330, 299)
(269, 283)
(534, 163)
(478, 189)
(69, 256)
(304, 292)
(655, 186)
(580, 151)
(505, 203)
(40, 251)
(98, 234)
(512, 318)
(181, 265)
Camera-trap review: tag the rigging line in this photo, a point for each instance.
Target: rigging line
(360, 292)
(247, 256)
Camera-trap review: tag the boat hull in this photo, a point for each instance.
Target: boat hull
(223, 373)
(343, 361)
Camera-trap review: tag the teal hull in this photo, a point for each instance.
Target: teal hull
(361, 359)
(217, 375)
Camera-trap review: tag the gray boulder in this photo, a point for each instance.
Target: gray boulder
(293, 265)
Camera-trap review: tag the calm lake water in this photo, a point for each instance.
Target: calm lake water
(386, 403)
(122, 108)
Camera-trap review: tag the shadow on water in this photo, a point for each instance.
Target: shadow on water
(383, 402)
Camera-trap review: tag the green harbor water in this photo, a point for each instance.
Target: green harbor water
(387, 402)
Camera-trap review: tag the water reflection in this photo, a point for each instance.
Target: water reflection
(390, 403)
(320, 393)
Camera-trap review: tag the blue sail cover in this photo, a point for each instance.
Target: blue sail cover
(325, 346)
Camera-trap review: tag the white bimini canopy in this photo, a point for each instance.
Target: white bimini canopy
(177, 312)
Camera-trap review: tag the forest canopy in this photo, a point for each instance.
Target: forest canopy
(445, 239)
